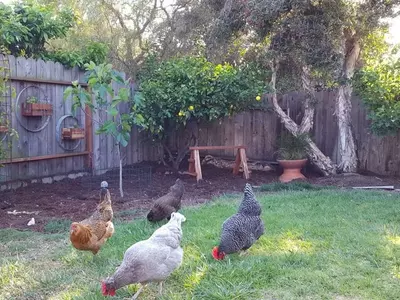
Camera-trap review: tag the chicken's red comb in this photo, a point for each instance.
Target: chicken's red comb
(106, 292)
(215, 253)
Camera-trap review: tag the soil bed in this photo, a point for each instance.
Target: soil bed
(76, 199)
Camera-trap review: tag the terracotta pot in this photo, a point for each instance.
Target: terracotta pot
(292, 169)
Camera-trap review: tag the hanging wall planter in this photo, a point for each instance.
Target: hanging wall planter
(32, 101)
(69, 135)
(33, 108)
(3, 128)
(73, 133)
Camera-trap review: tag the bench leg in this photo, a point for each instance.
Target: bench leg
(197, 165)
(237, 163)
(191, 163)
(243, 158)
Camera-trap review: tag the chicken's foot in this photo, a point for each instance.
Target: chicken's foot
(243, 253)
(138, 291)
(160, 288)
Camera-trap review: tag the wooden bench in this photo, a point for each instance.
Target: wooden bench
(195, 164)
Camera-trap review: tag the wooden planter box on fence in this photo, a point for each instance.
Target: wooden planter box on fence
(3, 128)
(37, 109)
(73, 133)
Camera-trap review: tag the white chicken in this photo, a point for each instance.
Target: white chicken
(151, 260)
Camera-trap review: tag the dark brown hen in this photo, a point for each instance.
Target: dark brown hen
(164, 206)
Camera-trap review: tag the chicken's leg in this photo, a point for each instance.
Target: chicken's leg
(138, 291)
(160, 288)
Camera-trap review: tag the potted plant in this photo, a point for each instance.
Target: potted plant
(33, 108)
(73, 133)
(292, 155)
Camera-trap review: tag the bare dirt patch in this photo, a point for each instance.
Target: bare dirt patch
(76, 199)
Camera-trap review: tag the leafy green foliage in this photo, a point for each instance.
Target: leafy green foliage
(94, 52)
(6, 92)
(26, 27)
(296, 33)
(100, 80)
(174, 91)
(308, 33)
(293, 147)
(109, 101)
(378, 85)
(375, 47)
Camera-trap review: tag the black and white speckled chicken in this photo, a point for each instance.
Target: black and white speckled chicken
(240, 231)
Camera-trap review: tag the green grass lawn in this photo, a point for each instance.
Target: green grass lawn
(319, 244)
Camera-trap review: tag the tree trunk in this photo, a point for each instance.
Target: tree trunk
(321, 161)
(190, 137)
(121, 191)
(346, 147)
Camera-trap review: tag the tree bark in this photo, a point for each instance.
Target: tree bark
(346, 147)
(121, 191)
(321, 161)
(190, 137)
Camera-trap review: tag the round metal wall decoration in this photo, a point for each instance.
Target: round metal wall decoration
(38, 124)
(67, 145)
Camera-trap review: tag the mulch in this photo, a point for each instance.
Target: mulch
(76, 199)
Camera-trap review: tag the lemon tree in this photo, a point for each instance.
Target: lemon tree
(180, 92)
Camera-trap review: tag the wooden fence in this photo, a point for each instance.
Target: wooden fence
(37, 152)
(258, 130)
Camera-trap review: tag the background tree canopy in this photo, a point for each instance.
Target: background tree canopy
(27, 28)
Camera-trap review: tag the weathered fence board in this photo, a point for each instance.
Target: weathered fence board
(41, 143)
(258, 130)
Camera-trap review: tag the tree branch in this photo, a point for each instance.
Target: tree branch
(289, 123)
(309, 103)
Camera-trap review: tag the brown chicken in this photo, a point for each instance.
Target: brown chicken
(164, 206)
(91, 233)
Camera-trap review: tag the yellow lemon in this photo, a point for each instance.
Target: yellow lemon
(191, 107)
(258, 98)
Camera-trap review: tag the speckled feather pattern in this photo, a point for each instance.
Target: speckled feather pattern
(240, 231)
